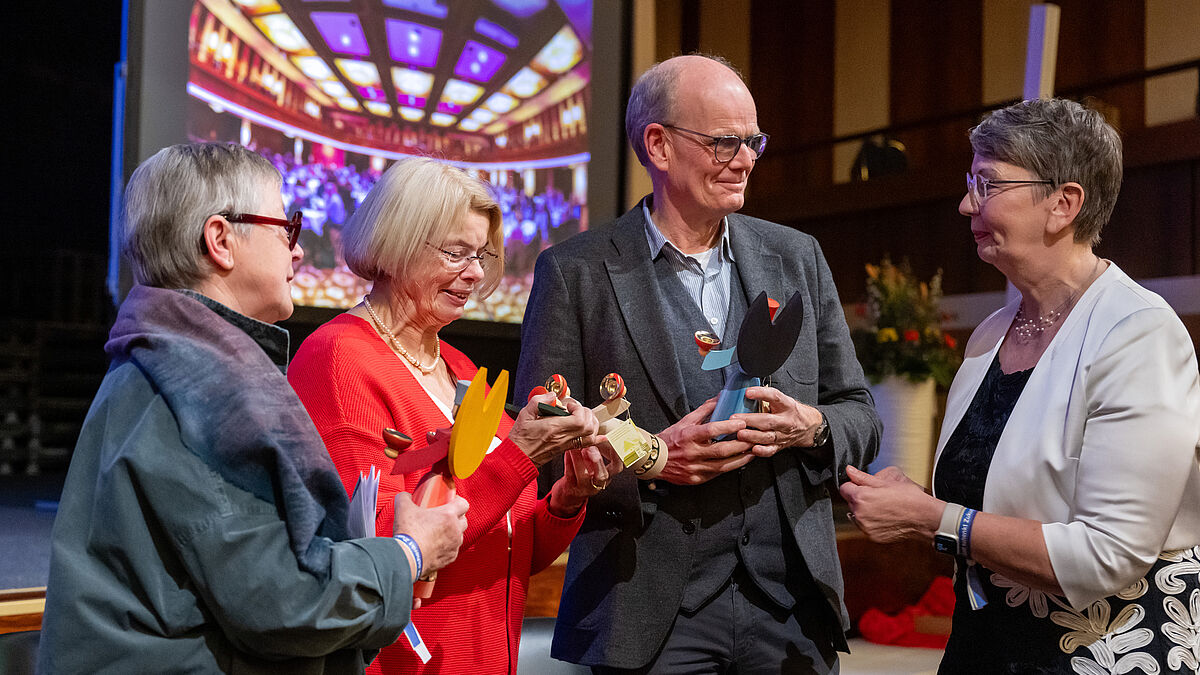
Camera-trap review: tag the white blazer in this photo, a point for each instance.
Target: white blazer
(1103, 445)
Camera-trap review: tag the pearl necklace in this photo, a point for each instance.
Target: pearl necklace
(437, 355)
(1028, 329)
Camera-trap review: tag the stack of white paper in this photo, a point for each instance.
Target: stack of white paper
(362, 505)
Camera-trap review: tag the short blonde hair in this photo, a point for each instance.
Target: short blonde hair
(418, 200)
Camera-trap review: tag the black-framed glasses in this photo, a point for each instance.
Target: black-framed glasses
(292, 226)
(979, 186)
(457, 261)
(725, 148)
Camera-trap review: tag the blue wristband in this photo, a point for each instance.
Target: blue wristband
(411, 544)
(964, 532)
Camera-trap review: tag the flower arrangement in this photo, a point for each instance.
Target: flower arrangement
(904, 336)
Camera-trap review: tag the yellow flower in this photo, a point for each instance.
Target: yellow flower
(887, 335)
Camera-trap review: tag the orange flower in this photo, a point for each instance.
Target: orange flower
(912, 335)
(951, 342)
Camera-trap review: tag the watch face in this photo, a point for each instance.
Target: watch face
(944, 543)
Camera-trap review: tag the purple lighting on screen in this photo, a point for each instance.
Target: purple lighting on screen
(478, 62)
(490, 30)
(521, 8)
(449, 108)
(341, 32)
(428, 7)
(372, 93)
(413, 43)
(411, 101)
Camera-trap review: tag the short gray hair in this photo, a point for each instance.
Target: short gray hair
(1062, 141)
(418, 199)
(172, 194)
(653, 100)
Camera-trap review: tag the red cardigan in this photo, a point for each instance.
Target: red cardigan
(353, 386)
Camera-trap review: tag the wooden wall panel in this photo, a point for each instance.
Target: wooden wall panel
(791, 77)
(1153, 229)
(1100, 40)
(936, 57)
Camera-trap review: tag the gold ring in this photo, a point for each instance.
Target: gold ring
(598, 488)
(577, 444)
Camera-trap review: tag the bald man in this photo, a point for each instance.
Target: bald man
(727, 561)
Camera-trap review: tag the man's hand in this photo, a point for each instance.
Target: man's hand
(692, 456)
(789, 424)
(438, 531)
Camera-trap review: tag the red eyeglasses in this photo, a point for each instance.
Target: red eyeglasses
(292, 226)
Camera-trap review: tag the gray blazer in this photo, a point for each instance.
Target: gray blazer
(592, 311)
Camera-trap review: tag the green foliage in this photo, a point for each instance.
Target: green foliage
(905, 336)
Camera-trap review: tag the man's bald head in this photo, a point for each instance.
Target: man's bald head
(655, 94)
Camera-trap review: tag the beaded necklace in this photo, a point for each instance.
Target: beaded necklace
(399, 347)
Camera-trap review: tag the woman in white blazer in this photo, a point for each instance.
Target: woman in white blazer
(1067, 481)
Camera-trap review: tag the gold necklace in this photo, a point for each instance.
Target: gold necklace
(437, 355)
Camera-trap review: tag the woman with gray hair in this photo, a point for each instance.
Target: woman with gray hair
(202, 526)
(1067, 481)
(428, 236)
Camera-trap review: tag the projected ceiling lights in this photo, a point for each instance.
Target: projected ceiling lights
(280, 30)
(441, 119)
(496, 32)
(525, 83)
(427, 7)
(342, 32)
(561, 53)
(413, 43)
(362, 73)
(260, 6)
(461, 93)
(314, 67)
(412, 82)
(349, 103)
(521, 8)
(483, 115)
(470, 125)
(500, 103)
(377, 108)
(334, 88)
(478, 62)
(412, 114)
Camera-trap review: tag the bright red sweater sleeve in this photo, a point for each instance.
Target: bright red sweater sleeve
(354, 386)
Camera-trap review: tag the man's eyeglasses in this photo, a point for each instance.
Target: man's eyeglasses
(291, 226)
(457, 261)
(979, 187)
(725, 148)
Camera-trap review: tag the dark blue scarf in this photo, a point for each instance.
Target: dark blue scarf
(236, 412)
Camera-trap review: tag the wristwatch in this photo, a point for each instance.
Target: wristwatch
(945, 540)
(821, 435)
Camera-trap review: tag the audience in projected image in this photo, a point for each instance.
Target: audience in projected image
(328, 196)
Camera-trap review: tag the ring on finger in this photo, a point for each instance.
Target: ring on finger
(577, 444)
(600, 487)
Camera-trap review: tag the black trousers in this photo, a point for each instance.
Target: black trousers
(740, 632)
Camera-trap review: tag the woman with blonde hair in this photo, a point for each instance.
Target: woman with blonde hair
(429, 238)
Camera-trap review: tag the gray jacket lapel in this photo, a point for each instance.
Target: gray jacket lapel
(638, 296)
(760, 269)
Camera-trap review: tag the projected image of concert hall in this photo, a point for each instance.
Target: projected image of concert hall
(497, 87)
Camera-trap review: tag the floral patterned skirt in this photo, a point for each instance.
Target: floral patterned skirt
(1151, 627)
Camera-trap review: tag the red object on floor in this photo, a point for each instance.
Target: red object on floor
(900, 629)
